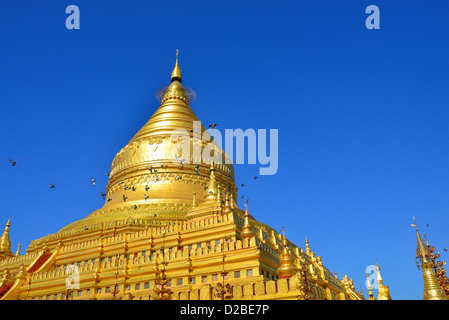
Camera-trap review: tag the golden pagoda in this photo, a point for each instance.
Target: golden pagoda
(170, 228)
(434, 286)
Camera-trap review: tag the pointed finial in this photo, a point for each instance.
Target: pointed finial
(194, 199)
(5, 244)
(287, 267)
(247, 230)
(370, 290)
(176, 74)
(308, 251)
(227, 205)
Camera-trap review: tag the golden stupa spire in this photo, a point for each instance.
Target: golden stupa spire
(212, 190)
(432, 289)
(379, 277)
(176, 74)
(308, 251)
(18, 251)
(370, 290)
(194, 199)
(384, 292)
(227, 206)
(5, 244)
(247, 230)
(287, 268)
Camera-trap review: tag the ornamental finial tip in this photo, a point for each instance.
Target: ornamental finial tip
(176, 74)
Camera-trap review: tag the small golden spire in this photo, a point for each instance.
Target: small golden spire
(308, 251)
(5, 244)
(194, 199)
(247, 230)
(287, 268)
(370, 290)
(227, 205)
(212, 190)
(384, 292)
(379, 277)
(176, 74)
(18, 251)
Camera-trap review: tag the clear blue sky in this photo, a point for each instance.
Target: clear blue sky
(362, 114)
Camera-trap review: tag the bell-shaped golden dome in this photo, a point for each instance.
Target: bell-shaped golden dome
(167, 160)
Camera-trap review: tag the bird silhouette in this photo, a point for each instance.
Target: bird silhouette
(135, 207)
(93, 180)
(124, 198)
(145, 196)
(134, 189)
(243, 184)
(108, 174)
(52, 186)
(427, 225)
(150, 168)
(109, 199)
(178, 177)
(103, 195)
(255, 178)
(247, 200)
(213, 125)
(445, 249)
(13, 163)
(147, 188)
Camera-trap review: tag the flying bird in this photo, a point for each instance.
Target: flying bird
(52, 186)
(103, 195)
(255, 178)
(135, 207)
(213, 125)
(427, 225)
(109, 199)
(108, 174)
(13, 163)
(243, 184)
(124, 198)
(150, 168)
(93, 180)
(178, 177)
(145, 196)
(134, 189)
(147, 188)
(445, 249)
